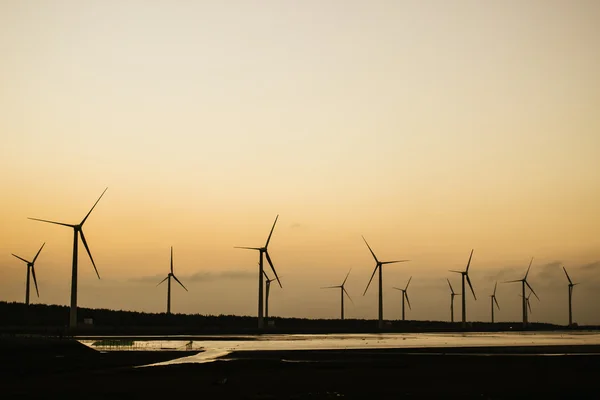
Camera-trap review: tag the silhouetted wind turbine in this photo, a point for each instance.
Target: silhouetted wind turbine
(268, 289)
(527, 301)
(379, 265)
(452, 294)
(30, 271)
(342, 291)
(493, 299)
(168, 279)
(404, 295)
(571, 285)
(465, 274)
(77, 231)
(525, 283)
(263, 250)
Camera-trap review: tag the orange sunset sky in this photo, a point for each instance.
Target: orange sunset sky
(429, 127)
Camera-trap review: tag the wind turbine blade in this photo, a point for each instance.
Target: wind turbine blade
(516, 280)
(163, 280)
(469, 263)
(88, 214)
(532, 291)
(52, 222)
(393, 262)
(397, 288)
(171, 259)
(374, 256)
(35, 280)
(496, 301)
(20, 258)
(178, 281)
(375, 270)
(331, 287)
(527, 273)
(273, 268)
(529, 305)
(265, 274)
(343, 283)
(406, 288)
(88, 251)
(495, 286)
(345, 291)
(407, 300)
(248, 248)
(567, 275)
(38, 253)
(458, 272)
(273, 227)
(451, 290)
(471, 286)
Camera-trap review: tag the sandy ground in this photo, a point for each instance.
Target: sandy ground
(383, 374)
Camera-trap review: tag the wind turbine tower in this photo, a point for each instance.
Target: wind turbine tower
(494, 300)
(452, 294)
(30, 271)
(342, 292)
(267, 290)
(571, 285)
(465, 275)
(404, 296)
(527, 302)
(77, 232)
(525, 283)
(379, 266)
(263, 250)
(168, 279)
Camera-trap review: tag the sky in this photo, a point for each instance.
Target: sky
(430, 127)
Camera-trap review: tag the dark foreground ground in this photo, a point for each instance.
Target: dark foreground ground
(472, 373)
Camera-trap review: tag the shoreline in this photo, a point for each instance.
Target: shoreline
(349, 375)
(31, 368)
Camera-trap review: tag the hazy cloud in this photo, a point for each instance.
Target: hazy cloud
(153, 278)
(591, 266)
(202, 276)
(504, 274)
(549, 271)
(231, 275)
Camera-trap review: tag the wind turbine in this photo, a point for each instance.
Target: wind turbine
(525, 283)
(465, 274)
(527, 301)
(263, 250)
(571, 285)
(168, 279)
(452, 294)
(405, 295)
(342, 291)
(268, 288)
(77, 231)
(379, 265)
(494, 300)
(30, 271)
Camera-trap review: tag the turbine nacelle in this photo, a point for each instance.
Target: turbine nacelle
(378, 264)
(264, 250)
(31, 264)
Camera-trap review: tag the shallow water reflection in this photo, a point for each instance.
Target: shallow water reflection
(215, 346)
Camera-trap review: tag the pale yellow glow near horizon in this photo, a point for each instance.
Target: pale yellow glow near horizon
(429, 127)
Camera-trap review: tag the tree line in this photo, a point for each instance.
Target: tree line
(17, 317)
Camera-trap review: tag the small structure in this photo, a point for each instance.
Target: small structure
(88, 321)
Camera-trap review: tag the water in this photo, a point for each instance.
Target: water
(220, 346)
